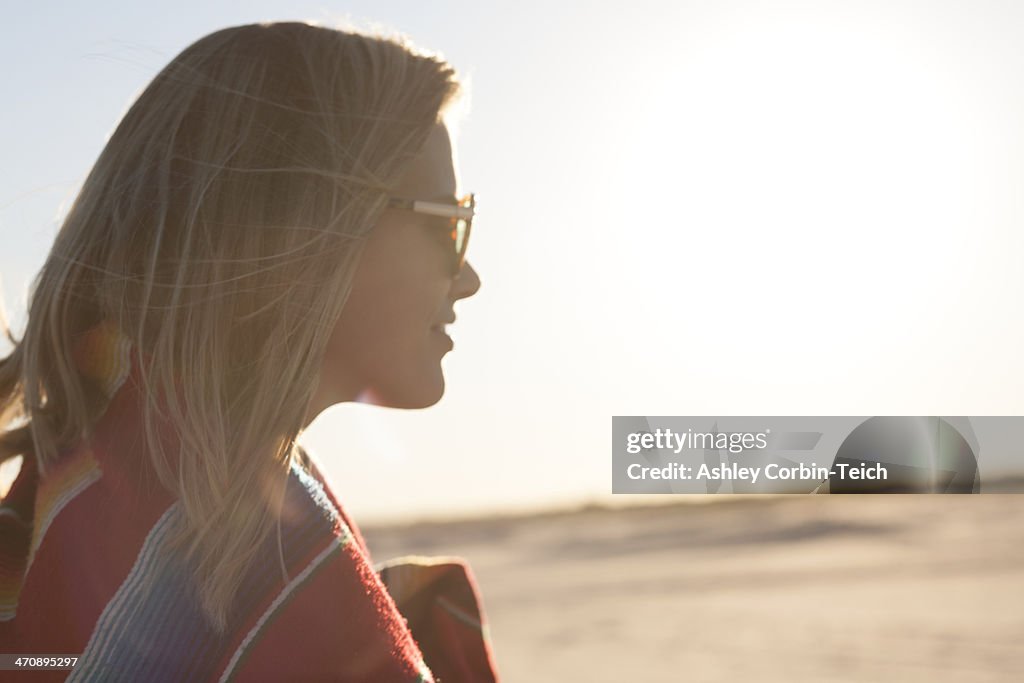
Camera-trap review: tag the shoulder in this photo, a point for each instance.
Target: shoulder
(333, 617)
(311, 608)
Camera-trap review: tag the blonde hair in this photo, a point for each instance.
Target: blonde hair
(219, 230)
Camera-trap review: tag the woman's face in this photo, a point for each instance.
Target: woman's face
(387, 346)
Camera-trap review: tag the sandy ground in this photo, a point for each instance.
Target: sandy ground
(811, 588)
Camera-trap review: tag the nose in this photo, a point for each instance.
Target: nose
(466, 283)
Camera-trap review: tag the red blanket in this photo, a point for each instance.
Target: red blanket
(83, 570)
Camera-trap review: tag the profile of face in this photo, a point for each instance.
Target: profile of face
(389, 340)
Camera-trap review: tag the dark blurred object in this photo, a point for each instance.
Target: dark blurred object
(919, 455)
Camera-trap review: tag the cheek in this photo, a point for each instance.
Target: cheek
(383, 336)
(399, 312)
(383, 343)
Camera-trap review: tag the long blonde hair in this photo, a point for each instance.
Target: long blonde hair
(219, 230)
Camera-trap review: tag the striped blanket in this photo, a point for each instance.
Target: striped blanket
(84, 570)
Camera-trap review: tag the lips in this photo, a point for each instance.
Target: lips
(439, 327)
(442, 335)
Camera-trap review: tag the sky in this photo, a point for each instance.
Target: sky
(685, 208)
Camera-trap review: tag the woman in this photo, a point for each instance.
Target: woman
(272, 229)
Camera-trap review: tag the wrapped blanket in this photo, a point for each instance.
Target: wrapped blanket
(84, 570)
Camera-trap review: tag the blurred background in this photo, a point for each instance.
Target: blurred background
(686, 208)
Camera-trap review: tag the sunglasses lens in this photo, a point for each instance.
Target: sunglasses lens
(458, 237)
(460, 231)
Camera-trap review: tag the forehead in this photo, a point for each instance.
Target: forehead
(431, 174)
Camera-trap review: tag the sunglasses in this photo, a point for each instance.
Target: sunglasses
(460, 220)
